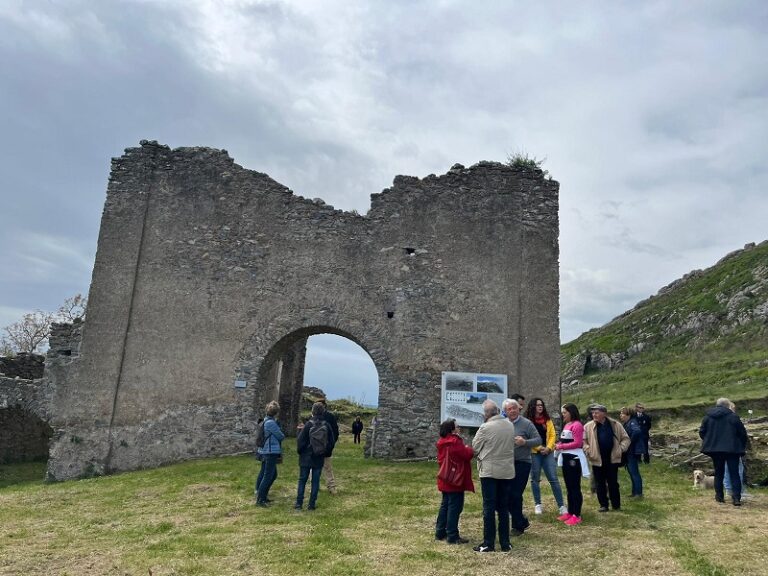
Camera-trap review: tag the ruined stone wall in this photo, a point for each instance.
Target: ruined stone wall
(209, 278)
(25, 396)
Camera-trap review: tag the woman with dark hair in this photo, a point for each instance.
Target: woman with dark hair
(573, 461)
(543, 457)
(451, 445)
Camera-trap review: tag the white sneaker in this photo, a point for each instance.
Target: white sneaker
(563, 510)
(537, 509)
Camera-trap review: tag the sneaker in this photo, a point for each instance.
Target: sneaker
(483, 548)
(297, 506)
(603, 509)
(262, 504)
(563, 510)
(441, 537)
(565, 517)
(537, 509)
(573, 521)
(458, 540)
(506, 548)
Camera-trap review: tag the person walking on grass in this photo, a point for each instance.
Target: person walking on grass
(604, 441)
(724, 439)
(269, 454)
(451, 446)
(330, 417)
(543, 457)
(636, 451)
(573, 461)
(357, 429)
(313, 443)
(494, 445)
(526, 438)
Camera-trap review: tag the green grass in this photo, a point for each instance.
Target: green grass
(198, 518)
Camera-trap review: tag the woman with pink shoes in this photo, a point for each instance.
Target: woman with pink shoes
(573, 461)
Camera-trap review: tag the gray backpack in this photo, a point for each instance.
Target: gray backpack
(319, 436)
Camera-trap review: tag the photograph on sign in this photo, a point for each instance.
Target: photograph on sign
(463, 394)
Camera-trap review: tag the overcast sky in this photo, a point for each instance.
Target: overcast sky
(652, 116)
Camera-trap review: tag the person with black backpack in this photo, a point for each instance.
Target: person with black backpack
(314, 443)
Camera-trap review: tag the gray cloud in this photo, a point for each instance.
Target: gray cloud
(652, 116)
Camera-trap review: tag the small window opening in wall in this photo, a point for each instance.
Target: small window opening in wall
(410, 251)
(390, 314)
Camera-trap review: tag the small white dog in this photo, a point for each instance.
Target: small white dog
(701, 480)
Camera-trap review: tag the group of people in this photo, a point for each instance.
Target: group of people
(511, 449)
(315, 443)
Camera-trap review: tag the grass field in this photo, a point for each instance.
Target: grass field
(198, 518)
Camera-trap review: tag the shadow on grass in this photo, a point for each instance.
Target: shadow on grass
(24, 473)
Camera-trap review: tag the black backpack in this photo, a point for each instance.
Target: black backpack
(261, 438)
(319, 437)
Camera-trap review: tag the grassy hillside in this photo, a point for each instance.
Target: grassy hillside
(703, 336)
(198, 518)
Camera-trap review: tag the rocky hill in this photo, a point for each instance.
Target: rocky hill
(709, 329)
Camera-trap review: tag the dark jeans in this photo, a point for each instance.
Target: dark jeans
(633, 468)
(516, 488)
(495, 502)
(447, 525)
(720, 459)
(607, 484)
(267, 476)
(357, 438)
(572, 480)
(314, 486)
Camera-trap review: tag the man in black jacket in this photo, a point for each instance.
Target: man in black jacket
(724, 439)
(330, 479)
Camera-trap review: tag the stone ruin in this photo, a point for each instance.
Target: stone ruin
(209, 278)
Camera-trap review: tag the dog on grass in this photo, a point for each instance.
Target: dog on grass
(701, 480)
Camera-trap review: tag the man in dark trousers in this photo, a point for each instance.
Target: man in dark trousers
(330, 479)
(724, 439)
(644, 419)
(526, 437)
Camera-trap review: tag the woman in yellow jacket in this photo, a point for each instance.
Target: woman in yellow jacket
(543, 457)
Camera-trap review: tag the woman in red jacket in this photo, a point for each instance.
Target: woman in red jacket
(450, 445)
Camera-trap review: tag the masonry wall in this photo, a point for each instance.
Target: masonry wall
(209, 278)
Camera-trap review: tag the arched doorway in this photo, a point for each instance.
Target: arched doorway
(333, 354)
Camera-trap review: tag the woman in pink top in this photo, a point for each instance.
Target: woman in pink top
(570, 445)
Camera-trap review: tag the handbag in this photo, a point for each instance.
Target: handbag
(451, 471)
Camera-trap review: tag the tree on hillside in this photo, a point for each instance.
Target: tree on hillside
(32, 331)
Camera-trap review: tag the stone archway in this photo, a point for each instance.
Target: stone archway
(207, 274)
(281, 374)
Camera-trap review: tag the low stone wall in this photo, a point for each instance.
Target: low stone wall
(23, 365)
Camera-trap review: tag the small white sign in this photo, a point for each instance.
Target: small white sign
(240, 383)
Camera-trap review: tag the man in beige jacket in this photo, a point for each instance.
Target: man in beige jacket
(604, 441)
(494, 446)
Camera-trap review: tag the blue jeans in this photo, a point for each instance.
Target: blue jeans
(547, 463)
(447, 525)
(727, 477)
(516, 488)
(633, 468)
(495, 502)
(267, 476)
(314, 486)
